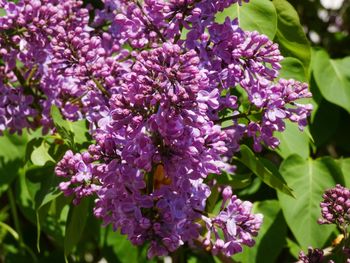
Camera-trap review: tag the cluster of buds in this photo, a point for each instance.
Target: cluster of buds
(335, 207)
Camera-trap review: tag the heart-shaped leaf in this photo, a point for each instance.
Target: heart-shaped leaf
(272, 179)
(290, 34)
(309, 179)
(333, 78)
(258, 15)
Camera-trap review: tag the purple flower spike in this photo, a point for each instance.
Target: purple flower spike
(157, 102)
(80, 174)
(312, 256)
(335, 207)
(238, 225)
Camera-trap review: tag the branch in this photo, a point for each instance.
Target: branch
(235, 117)
(100, 87)
(156, 29)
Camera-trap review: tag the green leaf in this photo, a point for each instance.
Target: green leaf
(9, 229)
(118, 248)
(236, 181)
(37, 189)
(63, 127)
(213, 199)
(72, 132)
(292, 68)
(54, 220)
(42, 184)
(80, 131)
(75, 225)
(258, 15)
(24, 198)
(316, 94)
(333, 78)
(271, 238)
(325, 122)
(294, 248)
(309, 179)
(293, 141)
(290, 34)
(252, 188)
(40, 155)
(42, 212)
(249, 159)
(2, 12)
(11, 158)
(344, 165)
(12, 146)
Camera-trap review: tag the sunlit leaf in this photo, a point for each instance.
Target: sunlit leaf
(309, 179)
(258, 15)
(75, 225)
(290, 34)
(271, 238)
(249, 159)
(333, 78)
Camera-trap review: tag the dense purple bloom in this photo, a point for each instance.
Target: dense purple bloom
(241, 57)
(159, 119)
(277, 102)
(63, 58)
(335, 207)
(154, 101)
(16, 109)
(79, 171)
(161, 112)
(312, 256)
(237, 224)
(166, 216)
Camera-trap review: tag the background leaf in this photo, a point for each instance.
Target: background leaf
(258, 15)
(325, 122)
(75, 224)
(292, 68)
(249, 159)
(344, 165)
(272, 235)
(72, 132)
(293, 141)
(290, 34)
(333, 78)
(12, 152)
(309, 179)
(118, 248)
(40, 154)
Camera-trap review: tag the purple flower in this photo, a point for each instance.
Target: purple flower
(335, 207)
(313, 256)
(16, 109)
(277, 103)
(237, 223)
(154, 100)
(80, 174)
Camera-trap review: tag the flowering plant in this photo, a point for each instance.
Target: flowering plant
(148, 111)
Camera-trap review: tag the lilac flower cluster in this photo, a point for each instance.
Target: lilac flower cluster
(79, 169)
(236, 222)
(277, 102)
(14, 109)
(25, 38)
(64, 62)
(312, 256)
(155, 101)
(335, 207)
